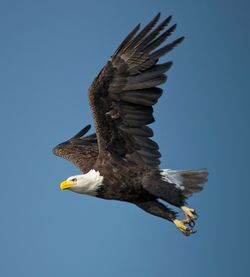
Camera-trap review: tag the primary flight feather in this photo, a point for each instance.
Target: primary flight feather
(121, 161)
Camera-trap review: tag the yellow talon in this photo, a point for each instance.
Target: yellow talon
(180, 224)
(189, 213)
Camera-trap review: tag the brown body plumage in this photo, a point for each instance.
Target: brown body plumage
(122, 151)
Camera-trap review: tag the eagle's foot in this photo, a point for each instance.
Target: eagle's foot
(190, 214)
(181, 225)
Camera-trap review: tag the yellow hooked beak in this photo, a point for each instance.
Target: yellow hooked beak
(66, 184)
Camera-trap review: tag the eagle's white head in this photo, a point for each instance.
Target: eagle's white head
(86, 183)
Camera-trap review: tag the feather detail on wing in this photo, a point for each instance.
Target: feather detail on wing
(81, 151)
(122, 95)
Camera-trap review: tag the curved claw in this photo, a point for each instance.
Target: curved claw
(194, 214)
(191, 223)
(188, 232)
(189, 213)
(181, 225)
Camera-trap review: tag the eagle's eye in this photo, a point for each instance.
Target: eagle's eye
(74, 180)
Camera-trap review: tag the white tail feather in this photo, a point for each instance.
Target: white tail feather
(189, 181)
(173, 177)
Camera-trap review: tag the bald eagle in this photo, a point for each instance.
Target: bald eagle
(121, 161)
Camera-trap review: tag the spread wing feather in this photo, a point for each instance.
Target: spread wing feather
(81, 150)
(122, 95)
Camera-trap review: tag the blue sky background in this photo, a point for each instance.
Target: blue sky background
(50, 51)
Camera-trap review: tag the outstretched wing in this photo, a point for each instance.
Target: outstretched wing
(81, 151)
(122, 95)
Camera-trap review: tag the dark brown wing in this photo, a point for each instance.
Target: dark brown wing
(122, 95)
(81, 151)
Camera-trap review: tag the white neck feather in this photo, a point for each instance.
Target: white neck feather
(88, 183)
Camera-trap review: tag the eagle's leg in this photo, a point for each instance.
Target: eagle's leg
(158, 209)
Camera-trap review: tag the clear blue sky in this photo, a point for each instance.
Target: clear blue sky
(50, 51)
